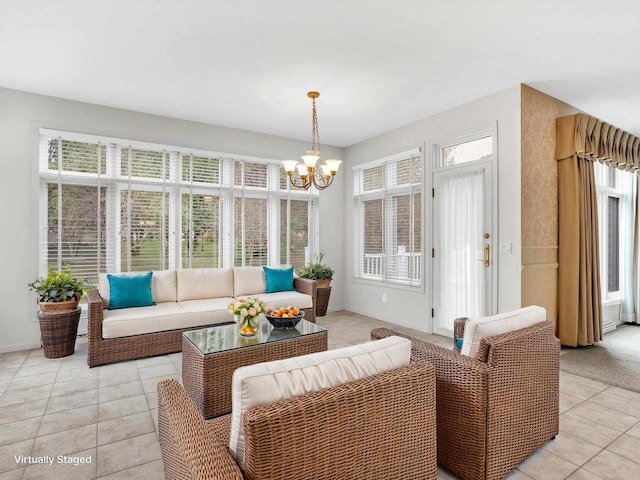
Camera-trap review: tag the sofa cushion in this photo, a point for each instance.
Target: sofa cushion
(278, 279)
(270, 382)
(130, 290)
(126, 322)
(201, 283)
(284, 299)
(248, 281)
(163, 287)
(477, 328)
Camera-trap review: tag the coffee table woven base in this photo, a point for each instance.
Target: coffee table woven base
(207, 378)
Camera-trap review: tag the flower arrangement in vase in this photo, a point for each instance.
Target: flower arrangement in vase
(246, 313)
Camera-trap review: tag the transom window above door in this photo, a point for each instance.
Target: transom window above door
(465, 151)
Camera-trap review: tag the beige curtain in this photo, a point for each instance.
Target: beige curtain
(594, 140)
(579, 302)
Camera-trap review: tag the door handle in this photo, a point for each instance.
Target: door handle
(486, 255)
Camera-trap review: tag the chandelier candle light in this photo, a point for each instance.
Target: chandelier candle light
(307, 173)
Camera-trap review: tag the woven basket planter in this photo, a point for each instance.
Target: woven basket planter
(322, 301)
(59, 332)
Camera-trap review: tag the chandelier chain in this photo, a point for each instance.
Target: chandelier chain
(315, 136)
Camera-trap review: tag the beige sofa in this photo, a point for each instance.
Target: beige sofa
(185, 300)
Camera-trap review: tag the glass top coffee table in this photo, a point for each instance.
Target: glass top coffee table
(211, 355)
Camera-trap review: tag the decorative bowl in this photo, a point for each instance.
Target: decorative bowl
(287, 323)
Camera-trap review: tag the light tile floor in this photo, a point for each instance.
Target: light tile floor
(108, 414)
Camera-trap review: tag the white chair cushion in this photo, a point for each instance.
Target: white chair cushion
(248, 281)
(271, 382)
(477, 328)
(163, 286)
(201, 283)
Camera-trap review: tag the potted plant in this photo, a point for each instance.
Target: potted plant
(318, 271)
(58, 292)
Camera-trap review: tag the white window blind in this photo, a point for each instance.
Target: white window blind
(388, 219)
(74, 213)
(110, 205)
(144, 210)
(202, 212)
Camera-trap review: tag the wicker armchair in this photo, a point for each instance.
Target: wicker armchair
(380, 427)
(496, 409)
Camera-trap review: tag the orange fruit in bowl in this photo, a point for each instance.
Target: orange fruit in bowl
(296, 311)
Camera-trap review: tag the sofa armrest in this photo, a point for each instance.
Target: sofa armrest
(189, 449)
(95, 317)
(379, 427)
(306, 285)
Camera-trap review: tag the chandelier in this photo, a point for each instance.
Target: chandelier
(303, 175)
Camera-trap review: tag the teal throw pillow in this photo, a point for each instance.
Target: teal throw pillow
(459, 344)
(278, 279)
(133, 290)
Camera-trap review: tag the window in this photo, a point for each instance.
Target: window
(109, 205)
(467, 151)
(610, 193)
(388, 219)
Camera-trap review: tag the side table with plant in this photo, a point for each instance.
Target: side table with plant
(58, 296)
(318, 271)
(58, 292)
(322, 274)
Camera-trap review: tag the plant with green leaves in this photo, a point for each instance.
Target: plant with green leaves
(58, 286)
(316, 270)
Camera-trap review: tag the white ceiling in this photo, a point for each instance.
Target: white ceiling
(379, 64)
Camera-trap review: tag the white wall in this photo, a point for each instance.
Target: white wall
(22, 114)
(410, 307)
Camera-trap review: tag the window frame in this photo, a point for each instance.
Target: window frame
(604, 191)
(175, 187)
(388, 193)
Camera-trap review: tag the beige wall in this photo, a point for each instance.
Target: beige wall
(540, 198)
(411, 307)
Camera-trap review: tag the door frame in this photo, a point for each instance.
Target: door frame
(491, 163)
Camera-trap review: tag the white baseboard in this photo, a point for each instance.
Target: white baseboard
(19, 347)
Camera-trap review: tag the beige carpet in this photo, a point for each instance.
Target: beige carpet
(614, 361)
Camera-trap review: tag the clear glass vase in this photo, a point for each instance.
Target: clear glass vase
(248, 326)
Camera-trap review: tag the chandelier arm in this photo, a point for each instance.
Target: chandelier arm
(320, 181)
(304, 183)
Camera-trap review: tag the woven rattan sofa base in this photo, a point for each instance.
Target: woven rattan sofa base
(207, 378)
(498, 408)
(378, 428)
(108, 350)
